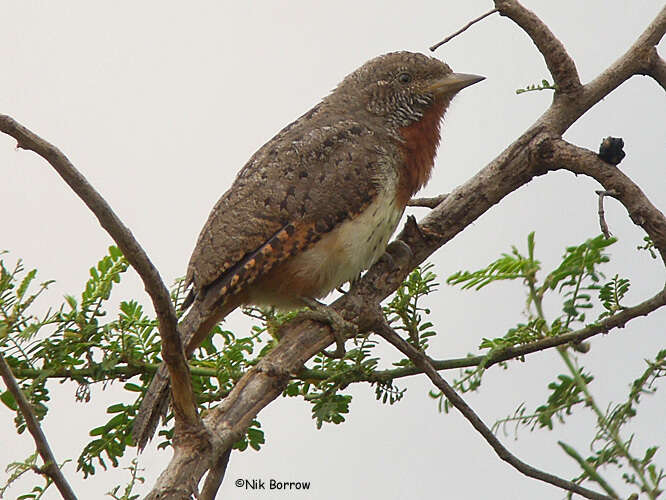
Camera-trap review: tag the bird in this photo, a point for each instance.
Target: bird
(317, 204)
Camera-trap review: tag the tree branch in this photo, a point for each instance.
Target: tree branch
(215, 477)
(602, 215)
(172, 349)
(50, 467)
(560, 64)
(427, 202)
(422, 362)
(638, 60)
(556, 153)
(117, 372)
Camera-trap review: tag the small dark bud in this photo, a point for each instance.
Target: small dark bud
(611, 151)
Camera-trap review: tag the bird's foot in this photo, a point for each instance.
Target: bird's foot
(351, 285)
(340, 327)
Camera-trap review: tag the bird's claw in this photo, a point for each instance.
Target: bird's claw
(340, 327)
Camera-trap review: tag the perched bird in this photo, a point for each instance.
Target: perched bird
(317, 204)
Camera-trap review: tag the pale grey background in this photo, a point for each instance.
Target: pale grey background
(160, 104)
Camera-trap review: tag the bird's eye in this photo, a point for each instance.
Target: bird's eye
(404, 77)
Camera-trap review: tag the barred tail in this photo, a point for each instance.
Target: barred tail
(194, 328)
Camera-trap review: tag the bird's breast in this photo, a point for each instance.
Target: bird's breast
(419, 149)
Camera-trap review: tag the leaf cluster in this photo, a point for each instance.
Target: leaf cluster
(578, 284)
(17, 469)
(83, 342)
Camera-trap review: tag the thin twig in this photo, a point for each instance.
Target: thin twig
(50, 467)
(427, 202)
(618, 320)
(421, 361)
(602, 218)
(172, 349)
(592, 473)
(464, 28)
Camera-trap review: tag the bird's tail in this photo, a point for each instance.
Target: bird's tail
(193, 329)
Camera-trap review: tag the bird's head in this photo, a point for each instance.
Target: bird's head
(402, 87)
(407, 94)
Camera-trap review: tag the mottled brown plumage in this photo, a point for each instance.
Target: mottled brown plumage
(317, 204)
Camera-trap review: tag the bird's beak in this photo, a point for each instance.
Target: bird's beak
(454, 82)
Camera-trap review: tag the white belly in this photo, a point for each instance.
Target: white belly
(352, 247)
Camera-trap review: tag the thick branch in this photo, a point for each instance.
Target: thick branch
(559, 63)
(50, 468)
(421, 361)
(638, 60)
(172, 349)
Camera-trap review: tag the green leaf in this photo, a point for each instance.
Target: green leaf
(612, 293)
(97, 431)
(508, 267)
(115, 252)
(117, 408)
(8, 398)
(20, 292)
(580, 259)
(129, 386)
(330, 408)
(115, 421)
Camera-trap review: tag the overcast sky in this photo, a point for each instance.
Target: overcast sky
(159, 104)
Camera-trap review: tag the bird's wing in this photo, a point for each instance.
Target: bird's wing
(296, 188)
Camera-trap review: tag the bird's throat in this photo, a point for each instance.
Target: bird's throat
(419, 148)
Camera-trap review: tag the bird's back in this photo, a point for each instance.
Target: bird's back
(319, 171)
